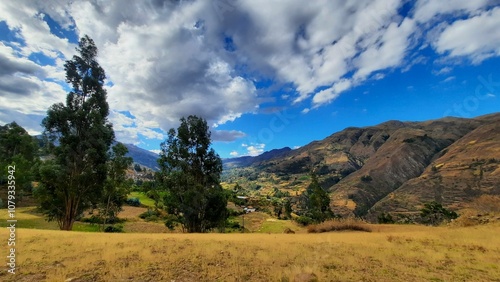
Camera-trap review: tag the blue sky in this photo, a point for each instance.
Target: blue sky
(265, 74)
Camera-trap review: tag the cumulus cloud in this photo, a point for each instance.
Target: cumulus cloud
(477, 38)
(327, 95)
(168, 59)
(234, 154)
(255, 149)
(426, 10)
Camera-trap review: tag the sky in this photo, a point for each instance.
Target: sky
(264, 74)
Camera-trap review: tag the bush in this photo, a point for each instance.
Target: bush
(366, 178)
(385, 218)
(434, 213)
(232, 212)
(135, 202)
(150, 215)
(304, 220)
(171, 221)
(94, 219)
(349, 224)
(114, 229)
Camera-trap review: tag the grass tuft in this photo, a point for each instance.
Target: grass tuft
(349, 224)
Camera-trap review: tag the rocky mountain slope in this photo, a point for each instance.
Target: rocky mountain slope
(397, 166)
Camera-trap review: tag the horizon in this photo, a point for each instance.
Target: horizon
(264, 75)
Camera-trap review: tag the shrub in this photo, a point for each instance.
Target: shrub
(304, 220)
(385, 218)
(135, 202)
(94, 219)
(171, 221)
(114, 229)
(150, 215)
(434, 213)
(348, 224)
(366, 178)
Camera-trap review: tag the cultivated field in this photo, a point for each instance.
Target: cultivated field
(389, 253)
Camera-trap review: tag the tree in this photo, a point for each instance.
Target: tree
(190, 172)
(18, 148)
(288, 209)
(434, 213)
(317, 201)
(74, 180)
(116, 185)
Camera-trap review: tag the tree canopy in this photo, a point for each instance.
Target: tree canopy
(74, 179)
(190, 173)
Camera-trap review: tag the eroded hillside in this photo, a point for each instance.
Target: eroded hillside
(394, 166)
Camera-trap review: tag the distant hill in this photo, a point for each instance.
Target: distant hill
(249, 160)
(392, 167)
(143, 157)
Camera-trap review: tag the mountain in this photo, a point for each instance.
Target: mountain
(249, 160)
(395, 166)
(142, 157)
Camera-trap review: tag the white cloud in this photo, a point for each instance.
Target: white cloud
(234, 154)
(389, 51)
(442, 71)
(448, 79)
(305, 111)
(426, 10)
(255, 149)
(327, 95)
(166, 59)
(477, 38)
(155, 151)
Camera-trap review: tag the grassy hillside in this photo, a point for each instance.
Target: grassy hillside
(392, 167)
(390, 252)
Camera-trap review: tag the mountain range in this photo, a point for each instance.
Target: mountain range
(393, 167)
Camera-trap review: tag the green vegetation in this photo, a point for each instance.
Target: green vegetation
(142, 198)
(316, 202)
(19, 149)
(434, 213)
(190, 174)
(73, 181)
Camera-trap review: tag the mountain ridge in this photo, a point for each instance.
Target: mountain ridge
(364, 168)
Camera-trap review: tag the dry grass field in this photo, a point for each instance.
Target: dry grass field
(388, 253)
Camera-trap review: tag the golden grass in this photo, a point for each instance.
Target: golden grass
(389, 253)
(343, 224)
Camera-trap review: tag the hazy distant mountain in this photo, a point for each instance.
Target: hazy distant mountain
(143, 157)
(248, 160)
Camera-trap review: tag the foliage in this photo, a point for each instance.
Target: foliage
(434, 213)
(137, 168)
(18, 148)
(135, 202)
(316, 201)
(100, 220)
(73, 181)
(171, 221)
(116, 186)
(151, 215)
(190, 173)
(385, 218)
(366, 178)
(114, 229)
(304, 220)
